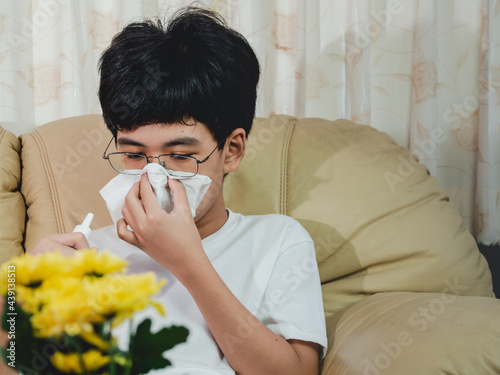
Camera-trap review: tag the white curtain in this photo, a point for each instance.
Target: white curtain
(427, 72)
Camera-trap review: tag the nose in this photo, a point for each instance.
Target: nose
(156, 159)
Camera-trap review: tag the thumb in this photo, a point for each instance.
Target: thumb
(125, 234)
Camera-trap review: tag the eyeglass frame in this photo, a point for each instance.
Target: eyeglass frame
(198, 162)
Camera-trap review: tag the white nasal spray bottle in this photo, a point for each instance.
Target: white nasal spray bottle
(85, 226)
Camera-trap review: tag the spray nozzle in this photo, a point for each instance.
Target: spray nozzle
(84, 227)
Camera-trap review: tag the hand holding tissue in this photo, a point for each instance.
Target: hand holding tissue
(116, 190)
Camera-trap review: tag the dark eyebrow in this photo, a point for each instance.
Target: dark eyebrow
(129, 142)
(183, 141)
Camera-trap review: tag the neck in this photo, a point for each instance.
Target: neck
(213, 219)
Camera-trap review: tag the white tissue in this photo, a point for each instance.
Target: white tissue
(116, 190)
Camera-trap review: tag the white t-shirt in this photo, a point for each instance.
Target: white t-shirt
(268, 262)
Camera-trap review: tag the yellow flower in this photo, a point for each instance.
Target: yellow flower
(63, 308)
(71, 305)
(70, 363)
(69, 295)
(33, 269)
(96, 340)
(88, 262)
(119, 296)
(28, 299)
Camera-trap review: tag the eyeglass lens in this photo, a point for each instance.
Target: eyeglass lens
(176, 165)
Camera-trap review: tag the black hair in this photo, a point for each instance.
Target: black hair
(195, 68)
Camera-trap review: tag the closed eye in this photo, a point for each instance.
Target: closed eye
(178, 157)
(134, 156)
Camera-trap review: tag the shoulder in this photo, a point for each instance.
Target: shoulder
(271, 220)
(276, 226)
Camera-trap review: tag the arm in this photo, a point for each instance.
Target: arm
(249, 346)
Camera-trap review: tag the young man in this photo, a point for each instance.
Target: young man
(184, 97)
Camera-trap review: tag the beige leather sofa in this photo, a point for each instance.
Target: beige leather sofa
(405, 289)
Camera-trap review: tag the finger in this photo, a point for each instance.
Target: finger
(179, 195)
(125, 234)
(147, 195)
(75, 240)
(134, 205)
(129, 218)
(67, 251)
(47, 245)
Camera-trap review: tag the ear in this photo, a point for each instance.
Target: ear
(234, 150)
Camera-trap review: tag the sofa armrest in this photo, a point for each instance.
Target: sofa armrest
(12, 207)
(415, 333)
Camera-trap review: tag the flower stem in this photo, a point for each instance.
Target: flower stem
(128, 369)
(112, 364)
(80, 354)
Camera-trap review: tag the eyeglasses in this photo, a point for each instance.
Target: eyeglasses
(176, 165)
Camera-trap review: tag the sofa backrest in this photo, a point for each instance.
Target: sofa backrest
(379, 221)
(63, 172)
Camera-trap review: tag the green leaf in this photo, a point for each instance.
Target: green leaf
(146, 348)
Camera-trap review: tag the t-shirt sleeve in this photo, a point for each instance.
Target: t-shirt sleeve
(292, 306)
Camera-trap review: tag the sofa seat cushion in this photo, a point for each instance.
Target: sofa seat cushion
(415, 334)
